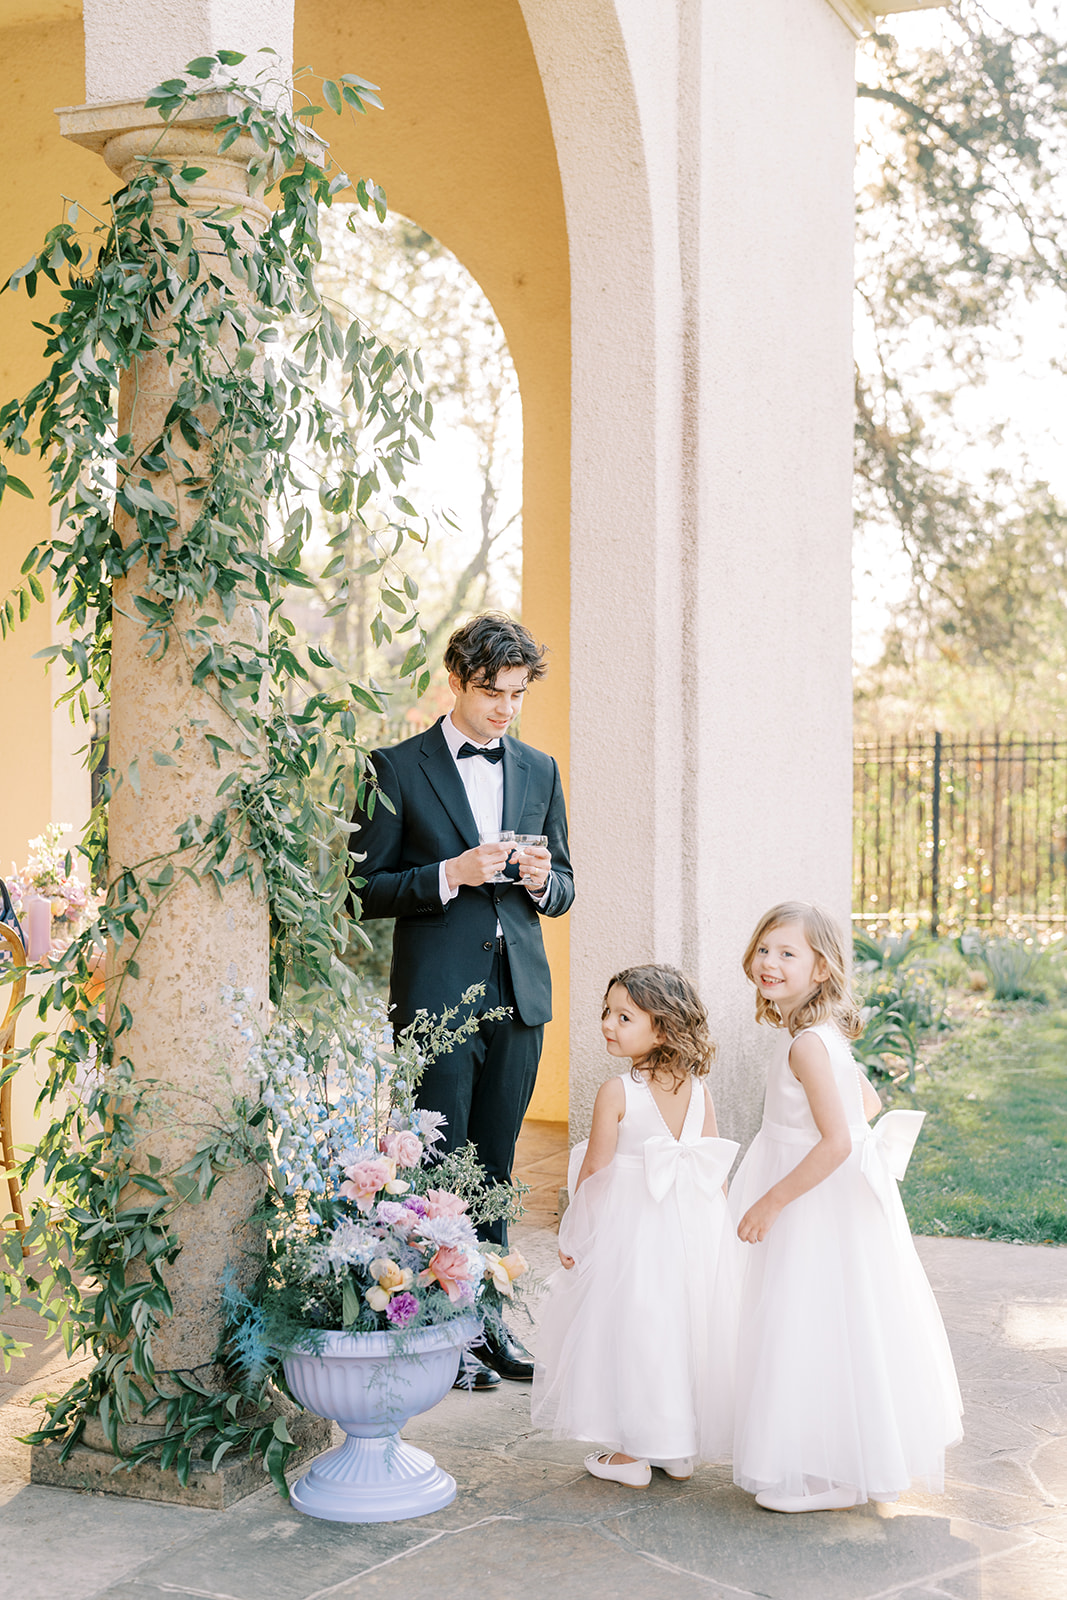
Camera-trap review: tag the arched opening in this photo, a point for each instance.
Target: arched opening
(465, 146)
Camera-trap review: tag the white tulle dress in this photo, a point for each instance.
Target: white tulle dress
(844, 1376)
(636, 1341)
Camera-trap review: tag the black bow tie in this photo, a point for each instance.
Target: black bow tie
(496, 754)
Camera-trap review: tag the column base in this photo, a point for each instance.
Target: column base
(238, 1476)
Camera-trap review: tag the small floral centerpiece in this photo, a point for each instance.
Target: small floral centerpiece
(369, 1228)
(49, 873)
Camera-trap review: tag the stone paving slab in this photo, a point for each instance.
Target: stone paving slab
(529, 1524)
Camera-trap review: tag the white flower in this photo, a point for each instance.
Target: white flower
(448, 1230)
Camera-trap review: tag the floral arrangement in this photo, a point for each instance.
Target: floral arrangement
(368, 1227)
(49, 873)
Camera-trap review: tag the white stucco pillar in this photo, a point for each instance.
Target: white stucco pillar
(706, 168)
(132, 45)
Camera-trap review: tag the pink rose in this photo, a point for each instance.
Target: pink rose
(405, 1148)
(451, 1269)
(365, 1178)
(445, 1204)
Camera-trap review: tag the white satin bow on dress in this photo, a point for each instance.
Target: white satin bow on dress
(703, 1163)
(886, 1151)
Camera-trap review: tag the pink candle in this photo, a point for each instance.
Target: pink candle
(37, 917)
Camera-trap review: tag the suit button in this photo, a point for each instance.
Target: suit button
(488, 945)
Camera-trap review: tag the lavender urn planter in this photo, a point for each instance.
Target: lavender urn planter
(371, 1383)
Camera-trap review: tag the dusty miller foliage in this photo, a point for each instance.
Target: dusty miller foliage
(961, 219)
(253, 443)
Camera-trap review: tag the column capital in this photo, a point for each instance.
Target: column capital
(124, 131)
(96, 125)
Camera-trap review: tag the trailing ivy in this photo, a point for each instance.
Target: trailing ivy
(252, 442)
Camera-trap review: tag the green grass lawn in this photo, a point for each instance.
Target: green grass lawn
(991, 1160)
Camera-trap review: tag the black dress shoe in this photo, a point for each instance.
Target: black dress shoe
(474, 1374)
(505, 1355)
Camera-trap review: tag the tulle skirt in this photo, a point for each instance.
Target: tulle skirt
(844, 1374)
(636, 1341)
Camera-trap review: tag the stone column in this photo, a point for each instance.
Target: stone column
(188, 1056)
(182, 1041)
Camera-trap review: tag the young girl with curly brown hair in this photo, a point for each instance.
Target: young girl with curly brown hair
(636, 1343)
(845, 1385)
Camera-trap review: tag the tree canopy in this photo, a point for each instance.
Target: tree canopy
(962, 227)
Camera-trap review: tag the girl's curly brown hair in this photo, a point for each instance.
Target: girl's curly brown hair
(678, 1016)
(831, 999)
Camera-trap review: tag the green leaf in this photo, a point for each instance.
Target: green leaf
(331, 94)
(202, 67)
(350, 1302)
(365, 698)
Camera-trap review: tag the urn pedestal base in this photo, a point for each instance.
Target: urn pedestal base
(386, 1479)
(371, 1383)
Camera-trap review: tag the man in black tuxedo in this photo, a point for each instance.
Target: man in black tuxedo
(425, 864)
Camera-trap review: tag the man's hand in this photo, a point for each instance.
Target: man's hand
(535, 864)
(477, 866)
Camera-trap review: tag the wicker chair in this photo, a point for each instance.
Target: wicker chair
(7, 1055)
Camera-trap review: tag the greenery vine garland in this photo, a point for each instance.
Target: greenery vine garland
(129, 288)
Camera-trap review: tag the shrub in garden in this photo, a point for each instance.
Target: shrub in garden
(1015, 969)
(902, 995)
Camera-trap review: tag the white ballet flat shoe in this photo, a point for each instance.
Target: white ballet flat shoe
(634, 1474)
(678, 1468)
(829, 1500)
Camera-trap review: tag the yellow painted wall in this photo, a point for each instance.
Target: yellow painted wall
(43, 68)
(464, 148)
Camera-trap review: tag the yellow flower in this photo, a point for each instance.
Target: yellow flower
(497, 1272)
(391, 1277)
(377, 1298)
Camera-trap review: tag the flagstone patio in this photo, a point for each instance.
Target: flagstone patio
(529, 1524)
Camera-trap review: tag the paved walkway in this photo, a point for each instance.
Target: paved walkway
(529, 1524)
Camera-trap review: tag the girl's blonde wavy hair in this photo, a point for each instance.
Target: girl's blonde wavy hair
(831, 999)
(678, 1015)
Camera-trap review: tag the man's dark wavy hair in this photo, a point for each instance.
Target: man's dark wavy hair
(489, 643)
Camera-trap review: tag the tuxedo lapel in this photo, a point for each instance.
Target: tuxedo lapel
(440, 770)
(516, 780)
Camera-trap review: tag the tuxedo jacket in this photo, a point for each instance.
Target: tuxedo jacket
(439, 951)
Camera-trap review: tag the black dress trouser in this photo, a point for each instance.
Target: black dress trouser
(484, 1085)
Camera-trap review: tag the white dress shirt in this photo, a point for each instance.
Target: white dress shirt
(484, 785)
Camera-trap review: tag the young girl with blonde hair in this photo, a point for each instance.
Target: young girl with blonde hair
(636, 1341)
(845, 1385)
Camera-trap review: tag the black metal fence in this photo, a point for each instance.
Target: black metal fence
(997, 809)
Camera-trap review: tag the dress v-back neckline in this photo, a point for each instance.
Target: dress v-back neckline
(693, 1086)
